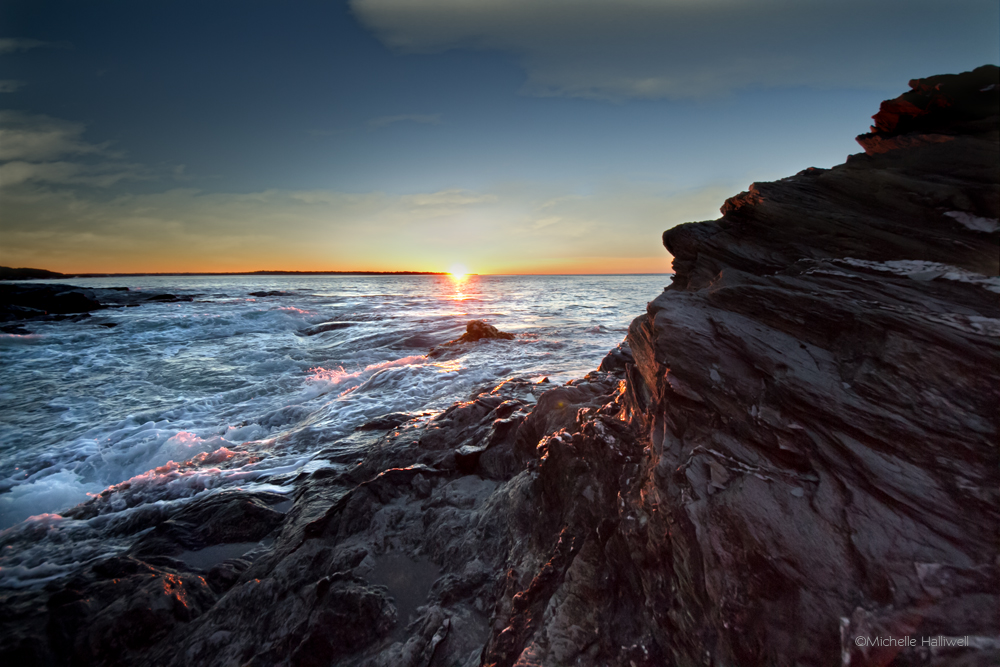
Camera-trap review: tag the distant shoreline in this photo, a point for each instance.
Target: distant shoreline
(42, 274)
(260, 273)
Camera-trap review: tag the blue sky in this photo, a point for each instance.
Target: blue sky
(505, 135)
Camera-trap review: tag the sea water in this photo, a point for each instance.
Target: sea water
(178, 400)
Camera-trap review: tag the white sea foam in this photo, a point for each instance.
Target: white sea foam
(184, 399)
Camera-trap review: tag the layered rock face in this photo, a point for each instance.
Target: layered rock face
(793, 455)
(822, 391)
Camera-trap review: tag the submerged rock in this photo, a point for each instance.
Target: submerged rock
(326, 326)
(267, 293)
(169, 298)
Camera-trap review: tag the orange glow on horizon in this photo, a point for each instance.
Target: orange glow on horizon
(95, 263)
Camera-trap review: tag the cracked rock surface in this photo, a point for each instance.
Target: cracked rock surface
(795, 447)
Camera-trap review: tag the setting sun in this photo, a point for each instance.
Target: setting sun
(458, 272)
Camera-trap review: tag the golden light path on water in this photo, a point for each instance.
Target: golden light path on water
(459, 277)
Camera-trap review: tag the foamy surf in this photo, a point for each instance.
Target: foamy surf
(179, 400)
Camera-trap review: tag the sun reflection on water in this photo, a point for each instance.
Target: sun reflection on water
(461, 281)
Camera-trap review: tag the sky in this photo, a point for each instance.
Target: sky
(507, 136)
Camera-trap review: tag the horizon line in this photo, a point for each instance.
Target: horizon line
(135, 274)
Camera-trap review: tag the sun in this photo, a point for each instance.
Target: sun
(458, 272)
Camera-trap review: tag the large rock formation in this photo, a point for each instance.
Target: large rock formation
(822, 395)
(794, 456)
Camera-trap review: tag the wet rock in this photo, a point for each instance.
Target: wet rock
(349, 617)
(224, 575)
(386, 422)
(820, 414)
(795, 447)
(267, 293)
(475, 331)
(53, 302)
(326, 326)
(220, 519)
(23, 301)
(616, 359)
(169, 298)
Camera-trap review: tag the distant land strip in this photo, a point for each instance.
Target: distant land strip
(7, 273)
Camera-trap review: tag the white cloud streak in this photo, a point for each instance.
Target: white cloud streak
(514, 228)
(41, 150)
(33, 137)
(622, 49)
(67, 173)
(13, 45)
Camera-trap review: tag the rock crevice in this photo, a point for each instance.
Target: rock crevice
(795, 447)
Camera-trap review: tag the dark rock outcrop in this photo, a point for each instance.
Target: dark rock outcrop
(822, 396)
(24, 301)
(477, 330)
(617, 359)
(936, 110)
(8, 273)
(795, 448)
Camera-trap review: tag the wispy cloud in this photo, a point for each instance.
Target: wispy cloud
(45, 151)
(507, 229)
(57, 214)
(13, 44)
(69, 173)
(10, 85)
(34, 137)
(425, 119)
(647, 49)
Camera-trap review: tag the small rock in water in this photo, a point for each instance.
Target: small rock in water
(326, 326)
(169, 298)
(477, 330)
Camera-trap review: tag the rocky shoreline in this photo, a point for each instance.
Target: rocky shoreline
(24, 304)
(795, 447)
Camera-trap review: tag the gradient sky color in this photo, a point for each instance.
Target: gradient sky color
(510, 136)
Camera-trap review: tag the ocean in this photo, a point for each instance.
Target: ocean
(172, 401)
